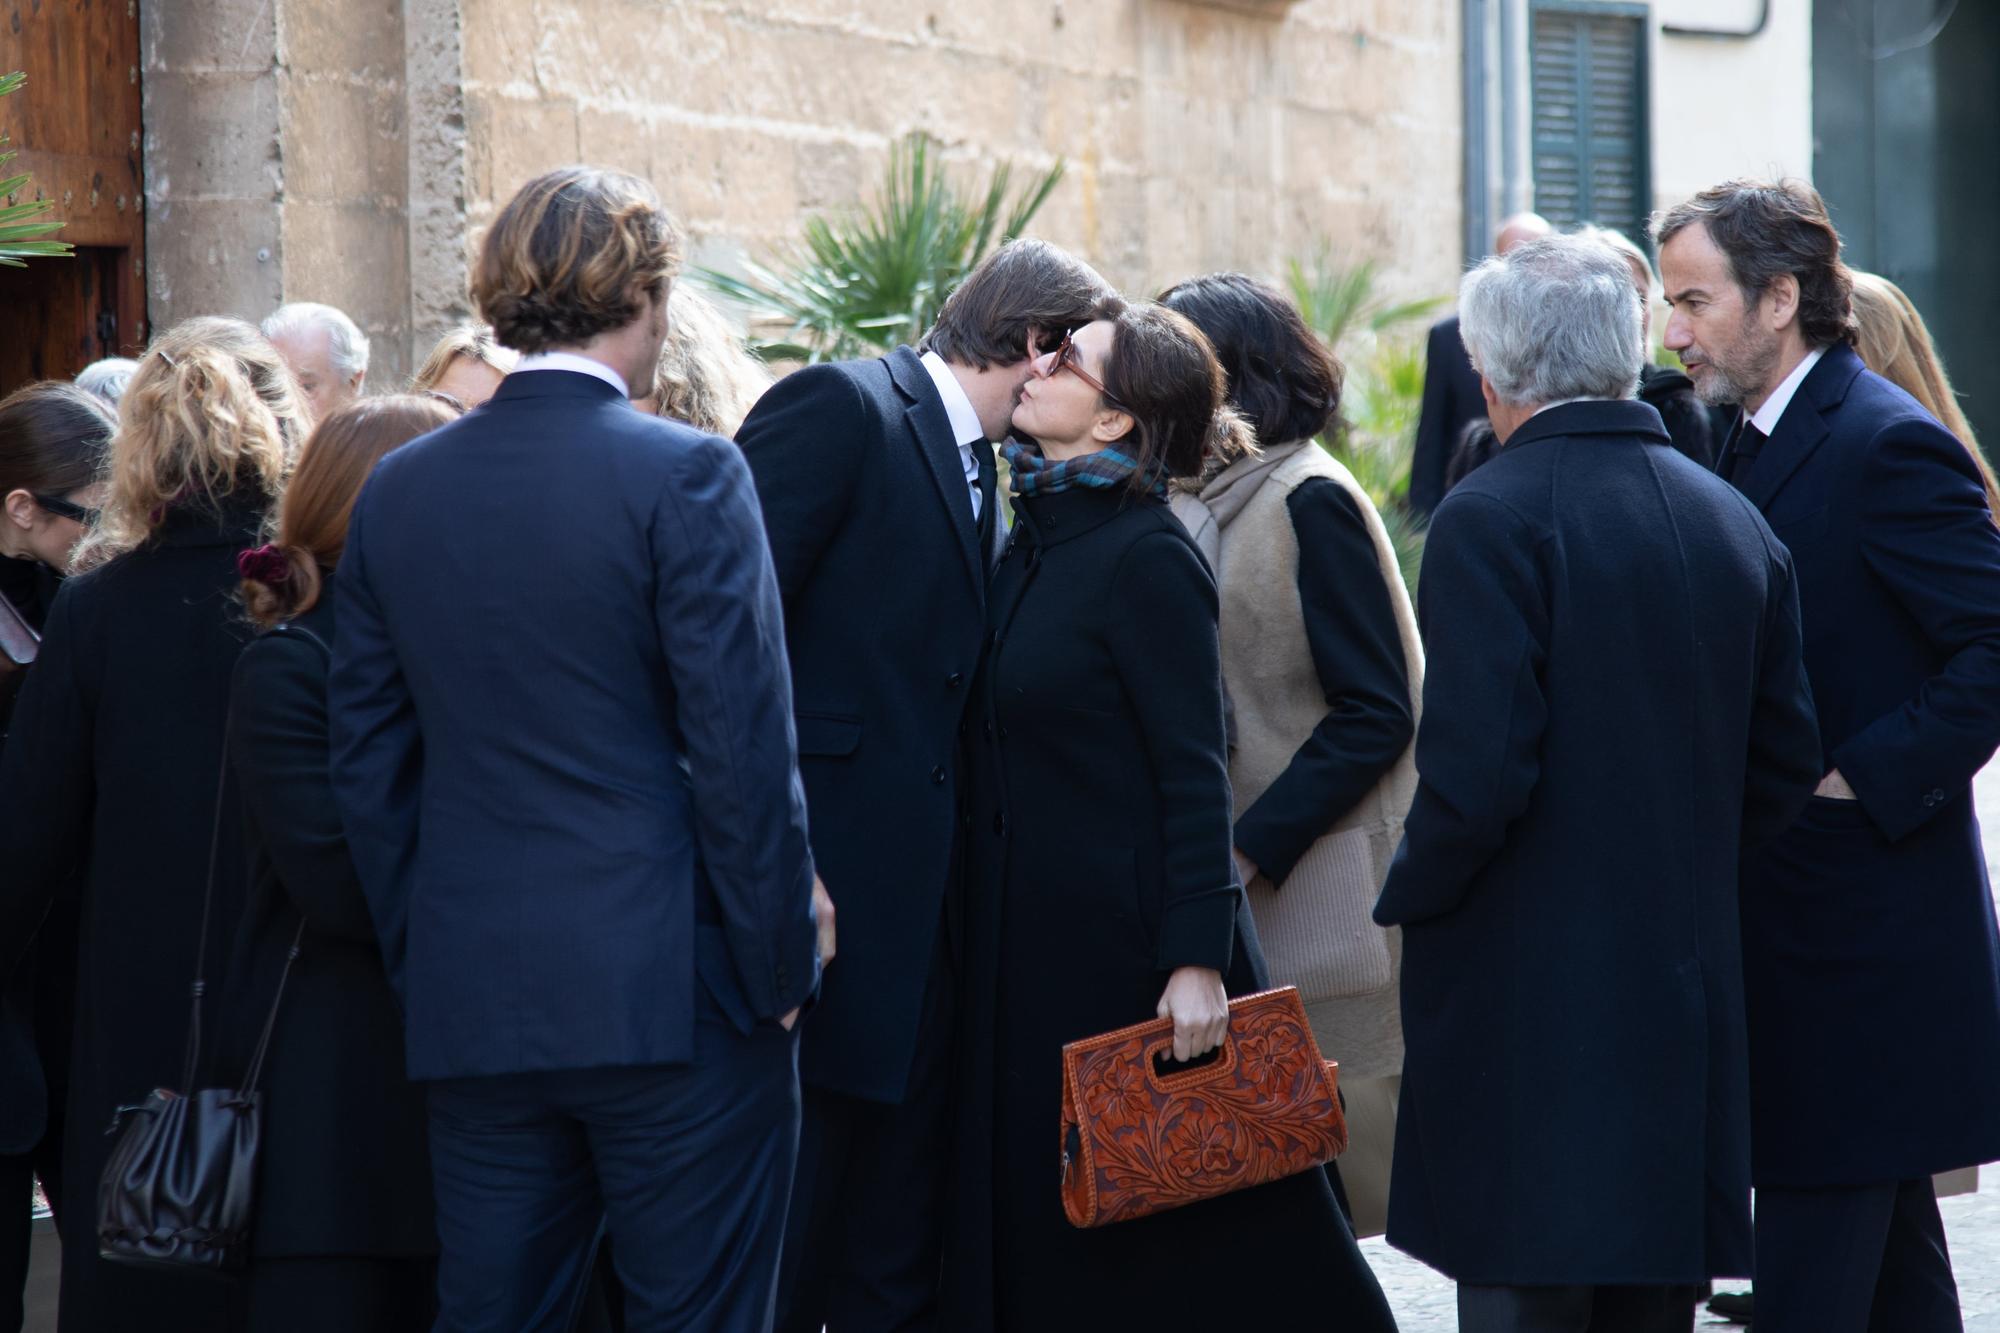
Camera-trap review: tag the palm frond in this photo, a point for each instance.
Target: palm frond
(859, 283)
(30, 218)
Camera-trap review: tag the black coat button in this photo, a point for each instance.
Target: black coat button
(937, 776)
(953, 681)
(1003, 731)
(1000, 825)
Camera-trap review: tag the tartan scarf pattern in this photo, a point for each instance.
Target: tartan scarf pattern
(1107, 469)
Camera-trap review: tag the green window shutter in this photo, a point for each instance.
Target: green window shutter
(1588, 69)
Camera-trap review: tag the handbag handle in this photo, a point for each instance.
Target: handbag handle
(1220, 1067)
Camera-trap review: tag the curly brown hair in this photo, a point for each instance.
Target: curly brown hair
(571, 256)
(1766, 229)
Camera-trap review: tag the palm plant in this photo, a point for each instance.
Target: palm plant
(20, 223)
(1341, 299)
(859, 284)
(1383, 395)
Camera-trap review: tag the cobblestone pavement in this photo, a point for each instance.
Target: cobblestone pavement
(1424, 1300)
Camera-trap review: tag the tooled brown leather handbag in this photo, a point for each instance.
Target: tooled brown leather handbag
(1138, 1139)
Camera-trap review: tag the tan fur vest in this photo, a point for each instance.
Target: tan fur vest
(1316, 931)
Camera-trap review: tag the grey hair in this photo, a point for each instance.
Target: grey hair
(107, 378)
(1625, 246)
(347, 345)
(1554, 320)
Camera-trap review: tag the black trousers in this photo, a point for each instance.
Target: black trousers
(1865, 1259)
(1609, 1309)
(862, 1247)
(687, 1167)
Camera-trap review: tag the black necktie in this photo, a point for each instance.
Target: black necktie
(1743, 451)
(988, 501)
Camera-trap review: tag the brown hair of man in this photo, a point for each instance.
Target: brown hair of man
(1025, 286)
(312, 520)
(1767, 229)
(573, 255)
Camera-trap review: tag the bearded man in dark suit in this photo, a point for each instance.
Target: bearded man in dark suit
(1869, 939)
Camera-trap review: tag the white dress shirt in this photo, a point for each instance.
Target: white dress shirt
(582, 365)
(1766, 417)
(965, 427)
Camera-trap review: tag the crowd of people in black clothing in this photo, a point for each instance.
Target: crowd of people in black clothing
(677, 818)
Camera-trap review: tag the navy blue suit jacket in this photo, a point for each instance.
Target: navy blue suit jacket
(562, 739)
(1869, 932)
(1614, 705)
(884, 583)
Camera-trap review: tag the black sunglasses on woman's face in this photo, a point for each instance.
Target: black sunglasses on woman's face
(61, 508)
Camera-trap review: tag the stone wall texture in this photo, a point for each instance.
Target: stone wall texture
(363, 147)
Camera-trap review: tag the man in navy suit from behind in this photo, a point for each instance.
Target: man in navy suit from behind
(1869, 942)
(564, 756)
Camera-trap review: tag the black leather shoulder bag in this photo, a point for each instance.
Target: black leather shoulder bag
(178, 1188)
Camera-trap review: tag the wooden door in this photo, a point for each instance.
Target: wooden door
(76, 127)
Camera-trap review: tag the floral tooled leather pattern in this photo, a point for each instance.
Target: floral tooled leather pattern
(1146, 1143)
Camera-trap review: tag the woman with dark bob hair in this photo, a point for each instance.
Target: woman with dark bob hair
(1099, 890)
(1324, 668)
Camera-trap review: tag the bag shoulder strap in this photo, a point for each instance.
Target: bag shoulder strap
(256, 1067)
(200, 986)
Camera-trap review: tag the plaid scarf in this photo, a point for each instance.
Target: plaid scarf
(1107, 469)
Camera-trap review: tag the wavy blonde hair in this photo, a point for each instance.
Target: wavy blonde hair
(211, 412)
(1895, 343)
(705, 376)
(474, 342)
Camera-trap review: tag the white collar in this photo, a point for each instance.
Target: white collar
(582, 365)
(1765, 418)
(1560, 402)
(965, 427)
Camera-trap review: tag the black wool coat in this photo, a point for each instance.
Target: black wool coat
(1671, 393)
(1868, 929)
(112, 763)
(345, 1166)
(1452, 401)
(1098, 861)
(883, 574)
(1614, 705)
(37, 1005)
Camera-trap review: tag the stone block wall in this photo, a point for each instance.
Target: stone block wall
(1197, 136)
(277, 163)
(353, 153)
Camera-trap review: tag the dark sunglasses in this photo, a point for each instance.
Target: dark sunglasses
(1068, 358)
(61, 508)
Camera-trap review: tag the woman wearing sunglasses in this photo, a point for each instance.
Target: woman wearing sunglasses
(52, 438)
(1099, 886)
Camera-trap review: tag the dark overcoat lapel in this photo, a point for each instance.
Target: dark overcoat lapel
(1800, 431)
(931, 425)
